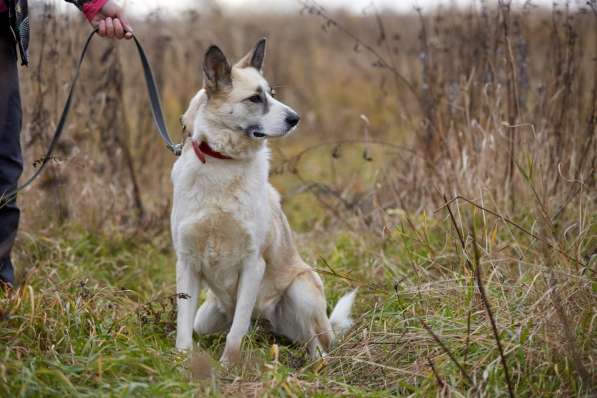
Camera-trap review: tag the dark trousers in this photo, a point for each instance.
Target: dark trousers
(11, 161)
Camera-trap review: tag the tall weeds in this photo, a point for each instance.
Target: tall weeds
(489, 112)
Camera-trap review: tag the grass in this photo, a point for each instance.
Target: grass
(94, 317)
(490, 102)
(74, 328)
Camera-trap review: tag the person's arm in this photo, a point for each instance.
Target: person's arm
(107, 16)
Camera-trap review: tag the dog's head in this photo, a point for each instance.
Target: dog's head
(238, 100)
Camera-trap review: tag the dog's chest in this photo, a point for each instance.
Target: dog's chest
(216, 218)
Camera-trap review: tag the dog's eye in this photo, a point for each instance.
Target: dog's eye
(256, 99)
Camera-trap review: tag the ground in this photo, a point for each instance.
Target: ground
(94, 316)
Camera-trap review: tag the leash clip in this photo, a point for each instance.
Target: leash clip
(176, 149)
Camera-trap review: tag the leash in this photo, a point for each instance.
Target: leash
(154, 100)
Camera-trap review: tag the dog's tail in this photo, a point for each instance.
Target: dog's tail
(341, 319)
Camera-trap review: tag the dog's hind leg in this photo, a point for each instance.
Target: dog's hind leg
(301, 314)
(187, 290)
(246, 296)
(210, 319)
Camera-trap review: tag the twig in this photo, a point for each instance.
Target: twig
(468, 335)
(481, 287)
(447, 351)
(315, 8)
(332, 272)
(513, 98)
(460, 237)
(507, 220)
(487, 306)
(441, 384)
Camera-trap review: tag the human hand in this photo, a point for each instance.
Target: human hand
(111, 22)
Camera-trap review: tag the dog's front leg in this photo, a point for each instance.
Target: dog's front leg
(187, 290)
(246, 296)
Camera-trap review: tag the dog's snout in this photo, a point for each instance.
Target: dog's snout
(292, 119)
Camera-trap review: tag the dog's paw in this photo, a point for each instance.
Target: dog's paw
(230, 357)
(184, 346)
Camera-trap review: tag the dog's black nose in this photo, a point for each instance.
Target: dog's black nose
(292, 119)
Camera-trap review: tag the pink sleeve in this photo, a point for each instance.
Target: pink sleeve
(90, 9)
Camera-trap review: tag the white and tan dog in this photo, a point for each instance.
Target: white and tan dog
(229, 231)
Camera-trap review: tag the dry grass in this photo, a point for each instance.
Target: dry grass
(445, 165)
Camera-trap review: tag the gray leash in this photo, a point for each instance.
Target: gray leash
(156, 110)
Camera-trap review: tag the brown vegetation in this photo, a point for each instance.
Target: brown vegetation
(445, 163)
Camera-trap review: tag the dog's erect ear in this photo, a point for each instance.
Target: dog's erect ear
(259, 54)
(216, 70)
(255, 57)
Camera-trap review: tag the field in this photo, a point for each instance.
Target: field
(445, 165)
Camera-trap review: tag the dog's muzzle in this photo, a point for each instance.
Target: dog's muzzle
(256, 131)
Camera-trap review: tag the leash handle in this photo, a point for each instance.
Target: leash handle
(156, 110)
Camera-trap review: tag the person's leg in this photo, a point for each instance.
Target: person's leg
(11, 162)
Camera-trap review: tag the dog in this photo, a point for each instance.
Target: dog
(228, 228)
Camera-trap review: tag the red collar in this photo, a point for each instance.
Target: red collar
(204, 149)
